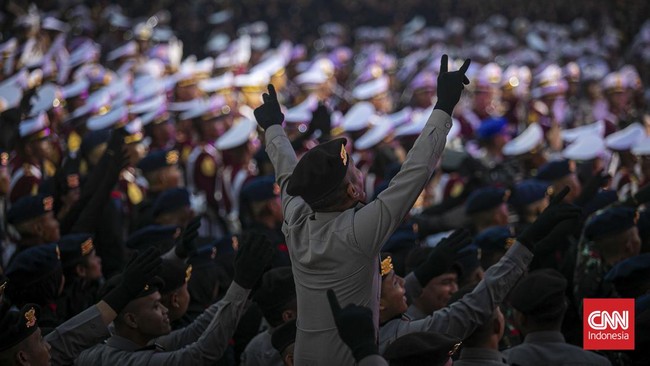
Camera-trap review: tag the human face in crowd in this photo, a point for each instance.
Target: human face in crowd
(393, 299)
(48, 228)
(151, 316)
(93, 267)
(423, 98)
(40, 149)
(135, 153)
(436, 294)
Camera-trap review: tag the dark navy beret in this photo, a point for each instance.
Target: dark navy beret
(610, 221)
(74, 247)
(174, 275)
(162, 237)
(555, 170)
(528, 191)
(277, 289)
(320, 171)
(497, 238)
(422, 348)
(33, 264)
(260, 189)
(29, 207)
(630, 267)
(540, 293)
(158, 159)
(491, 127)
(154, 284)
(284, 336)
(484, 199)
(171, 200)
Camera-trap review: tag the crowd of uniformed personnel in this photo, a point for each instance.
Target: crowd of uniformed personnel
(428, 192)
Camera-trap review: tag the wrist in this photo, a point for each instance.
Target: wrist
(449, 109)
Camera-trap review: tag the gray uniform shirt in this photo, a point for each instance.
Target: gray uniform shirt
(80, 332)
(339, 250)
(201, 343)
(472, 310)
(550, 348)
(260, 352)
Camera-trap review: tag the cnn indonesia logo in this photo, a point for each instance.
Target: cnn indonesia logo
(608, 324)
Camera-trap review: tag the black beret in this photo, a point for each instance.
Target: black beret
(158, 159)
(171, 200)
(155, 284)
(496, 238)
(74, 247)
(484, 199)
(203, 255)
(610, 221)
(284, 335)
(162, 237)
(277, 289)
(540, 293)
(29, 207)
(528, 191)
(17, 325)
(174, 275)
(33, 264)
(600, 201)
(260, 189)
(320, 171)
(555, 170)
(422, 348)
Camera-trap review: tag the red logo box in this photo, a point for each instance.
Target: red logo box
(608, 324)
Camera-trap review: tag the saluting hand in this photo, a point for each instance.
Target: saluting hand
(186, 244)
(253, 258)
(269, 113)
(554, 214)
(450, 85)
(443, 256)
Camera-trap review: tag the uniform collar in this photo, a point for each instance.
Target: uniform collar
(544, 336)
(481, 354)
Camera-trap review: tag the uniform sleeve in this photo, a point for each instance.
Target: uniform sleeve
(461, 318)
(284, 161)
(373, 360)
(82, 331)
(376, 221)
(212, 342)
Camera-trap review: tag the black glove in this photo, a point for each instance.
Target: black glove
(450, 85)
(442, 257)
(557, 236)
(186, 244)
(253, 257)
(591, 187)
(355, 327)
(138, 272)
(555, 213)
(269, 113)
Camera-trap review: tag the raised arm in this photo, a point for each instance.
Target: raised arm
(386, 212)
(283, 157)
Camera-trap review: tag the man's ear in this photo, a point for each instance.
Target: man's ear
(352, 191)
(173, 300)
(288, 315)
(21, 358)
(130, 320)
